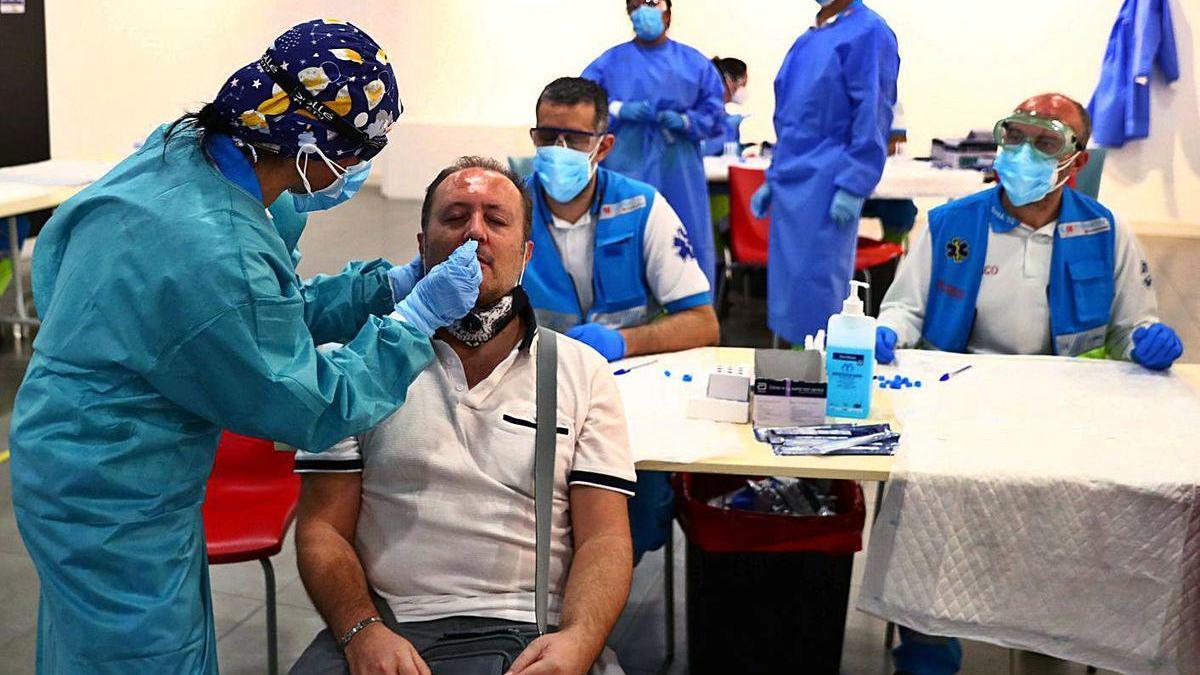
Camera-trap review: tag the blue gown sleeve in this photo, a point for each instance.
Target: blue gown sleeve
(595, 73)
(871, 70)
(336, 306)
(253, 369)
(1154, 40)
(706, 115)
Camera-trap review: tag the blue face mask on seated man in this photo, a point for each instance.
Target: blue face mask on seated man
(563, 172)
(342, 189)
(1028, 175)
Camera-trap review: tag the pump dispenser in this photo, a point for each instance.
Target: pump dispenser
(850, 358)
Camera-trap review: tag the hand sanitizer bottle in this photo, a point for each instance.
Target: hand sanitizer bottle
(850, 359)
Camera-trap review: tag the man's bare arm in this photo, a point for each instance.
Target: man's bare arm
(329, 566)
(690, 328)
(602, 569)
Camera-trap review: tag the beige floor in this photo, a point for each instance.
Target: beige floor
(368, 227)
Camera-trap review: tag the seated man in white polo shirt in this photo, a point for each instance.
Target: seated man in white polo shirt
(432, 511)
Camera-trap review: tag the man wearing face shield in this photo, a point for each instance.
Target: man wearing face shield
(1029, 267)
(171, 310)
(613, 267)
(665, 99)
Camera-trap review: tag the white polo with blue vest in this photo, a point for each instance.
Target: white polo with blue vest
(621, 265)
(982, 282)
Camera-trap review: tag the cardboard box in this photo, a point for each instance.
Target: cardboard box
(789, 388)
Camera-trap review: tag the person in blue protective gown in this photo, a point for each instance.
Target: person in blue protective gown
(666, 98)
(735, 76)
(171, 310)
(833, 110)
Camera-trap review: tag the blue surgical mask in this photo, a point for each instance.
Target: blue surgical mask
(825, 3)
(1027, 175)
(648, 23)
(563, 172)
(342, 189)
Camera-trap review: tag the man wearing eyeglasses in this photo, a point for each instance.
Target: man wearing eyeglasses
(612, 265)
(666, 99)
(1029, 267)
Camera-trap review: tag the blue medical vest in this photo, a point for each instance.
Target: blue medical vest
(1081, 270)
(621, 296)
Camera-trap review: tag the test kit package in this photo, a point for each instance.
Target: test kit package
(789, 388)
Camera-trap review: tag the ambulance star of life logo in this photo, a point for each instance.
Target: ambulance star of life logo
(957, 250)
(683, 245)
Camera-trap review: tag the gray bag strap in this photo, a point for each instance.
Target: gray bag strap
(543, 467)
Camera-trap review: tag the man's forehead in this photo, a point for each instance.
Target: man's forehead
(1054, 107)
(479, 185)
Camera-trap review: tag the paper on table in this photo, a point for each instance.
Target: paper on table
(656, 408)
(56, 172)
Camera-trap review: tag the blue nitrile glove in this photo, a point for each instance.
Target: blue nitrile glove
(636, 111)
(446, 293)
(672, 121)
(609, 342)
(1156, 347)
(404, 277)
(846, 208)
(885, 344)
(760, 202)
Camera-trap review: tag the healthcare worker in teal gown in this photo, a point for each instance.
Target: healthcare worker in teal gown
(171, 310)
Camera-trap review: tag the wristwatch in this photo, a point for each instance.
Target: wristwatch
(355, 630)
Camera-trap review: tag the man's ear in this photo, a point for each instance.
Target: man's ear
(528, 251)
(421, 245)
(606, 146)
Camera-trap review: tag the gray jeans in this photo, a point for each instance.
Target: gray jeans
(322, 656)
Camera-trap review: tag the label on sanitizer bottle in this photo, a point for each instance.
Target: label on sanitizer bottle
(849, 389)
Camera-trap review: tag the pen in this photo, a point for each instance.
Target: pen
(622, 371)
(947, 376)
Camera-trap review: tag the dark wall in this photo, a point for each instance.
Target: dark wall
(24, 113)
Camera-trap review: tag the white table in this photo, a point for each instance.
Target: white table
(35, 187)
(903, 178)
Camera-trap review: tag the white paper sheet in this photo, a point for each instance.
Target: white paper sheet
(656, 408)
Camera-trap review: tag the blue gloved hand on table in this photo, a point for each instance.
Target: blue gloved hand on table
(846, 208)
(608, 341)
(885, 344)
(1156, 347)
(760, 202)
(404, 277)
(446, 293)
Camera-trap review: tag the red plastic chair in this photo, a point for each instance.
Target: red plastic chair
(249, 506)
(748, 236)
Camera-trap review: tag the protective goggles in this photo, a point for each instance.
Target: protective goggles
(1050, 137)
(370, 145)
(569, 138)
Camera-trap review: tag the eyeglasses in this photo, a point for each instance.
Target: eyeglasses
(571, 138)
(370, 145)
(1048, 136)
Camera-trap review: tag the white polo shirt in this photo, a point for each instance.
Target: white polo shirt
(672, 275)
(1013, 309)
(446, 524)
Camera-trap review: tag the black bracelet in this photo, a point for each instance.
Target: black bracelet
(355, 630)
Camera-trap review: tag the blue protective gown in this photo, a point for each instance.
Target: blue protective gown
(1142, 36)
(171, 310)
(671, 76)
(833, 110)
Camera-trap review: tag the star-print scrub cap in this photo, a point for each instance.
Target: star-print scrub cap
(324, 83)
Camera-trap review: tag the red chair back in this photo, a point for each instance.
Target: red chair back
(747, 234)
(241, 457)
(873, 253)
